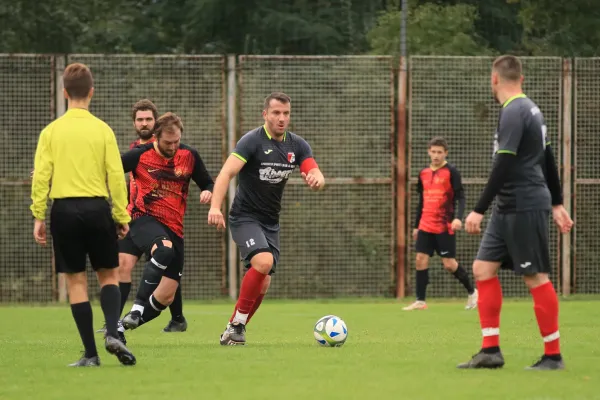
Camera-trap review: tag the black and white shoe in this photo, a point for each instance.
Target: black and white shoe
(176, 326)
(484, 360)
(547, 363)
(132, 320)
(234, 335)
(87, 362)
(116, 347)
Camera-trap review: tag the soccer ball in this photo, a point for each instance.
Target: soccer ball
(330, 331)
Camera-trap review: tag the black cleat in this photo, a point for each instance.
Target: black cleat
(484, 360)
(116, 347)
(234, 335)
(176, 326)
(87, 362)
(132, 320)
(547, 363)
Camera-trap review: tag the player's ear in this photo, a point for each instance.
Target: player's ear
(91, 92)
(65, 94)
(264, 114)
(522, 78)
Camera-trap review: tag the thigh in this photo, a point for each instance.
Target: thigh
(175, 268)
(249, 237)
(493, 246)
(445, 245)
(100, 234)
(144, 231)
(528, 242)
(67, 238)
(425, 243)
(271, 233)
(127, 246)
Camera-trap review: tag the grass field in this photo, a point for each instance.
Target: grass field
(389, 354)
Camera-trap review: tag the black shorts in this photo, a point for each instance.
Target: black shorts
(520, 241)
(83, 227)
(252, 237)
(442, 243)
(143, 232)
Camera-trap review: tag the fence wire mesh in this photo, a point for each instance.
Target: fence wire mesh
(337, 242)
(27, 104)
(193, 88)
(587, 179)
(451, 97)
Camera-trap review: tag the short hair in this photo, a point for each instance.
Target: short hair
(508, 67)
(78, 81)
(279, 96)
(438, 141)
(167, 123)
(144, 105)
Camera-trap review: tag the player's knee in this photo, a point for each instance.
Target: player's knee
(162, 253)
(422, 261)
(262, 262)
(450, 264)
(533, 281)
(483, 270)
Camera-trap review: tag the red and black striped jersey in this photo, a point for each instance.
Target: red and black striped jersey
(162, 184)
(132, 189)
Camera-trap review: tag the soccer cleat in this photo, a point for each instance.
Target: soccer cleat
(472, 300)
(116, 347)
(121, 332)
(547, 364)
(417, 305)
(234, 335)
(87, 362)
(176, 326)
(484, 360)
(132, 320)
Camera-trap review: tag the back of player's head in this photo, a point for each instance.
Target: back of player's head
(438, 141)
(168, 122)
(279, 96)
(508, 68)
(78, 81)
(144, 105)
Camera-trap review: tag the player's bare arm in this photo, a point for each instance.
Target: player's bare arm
(231, 168)
(314, 179)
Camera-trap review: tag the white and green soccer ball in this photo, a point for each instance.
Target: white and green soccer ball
(331, 331)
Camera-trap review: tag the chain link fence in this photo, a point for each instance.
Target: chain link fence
(451, 97)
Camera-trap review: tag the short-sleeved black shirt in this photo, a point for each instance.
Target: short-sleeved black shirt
(269, 163)
(522, 132)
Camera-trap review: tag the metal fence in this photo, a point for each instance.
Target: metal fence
(352, 239)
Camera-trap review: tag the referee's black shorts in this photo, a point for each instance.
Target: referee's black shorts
(81, 227)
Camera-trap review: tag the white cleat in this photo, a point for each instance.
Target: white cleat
(472, 300)
(417, 305)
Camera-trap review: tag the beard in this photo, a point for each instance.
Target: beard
(144, 134)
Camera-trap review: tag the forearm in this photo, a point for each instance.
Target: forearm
(118, 194)
(39, 195)
(553, 178)
(219, 190)
(495, 182)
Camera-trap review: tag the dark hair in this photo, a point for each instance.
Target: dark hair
(78, 81)
(508, 67)
(279, 96)
(167, 123)
(438, 141)
(144, 105)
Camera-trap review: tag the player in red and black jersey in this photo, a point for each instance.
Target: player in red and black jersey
(440, 190)
(162, 171)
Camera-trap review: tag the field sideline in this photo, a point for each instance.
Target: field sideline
(389, 354)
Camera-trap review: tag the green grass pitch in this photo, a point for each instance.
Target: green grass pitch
(390, 354)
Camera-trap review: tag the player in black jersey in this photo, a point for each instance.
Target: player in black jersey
(525, 182)
(264, 158)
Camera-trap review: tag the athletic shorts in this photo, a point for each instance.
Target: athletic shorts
(83, 227)
(253, 237)
(143, 233)
(519, 241)
(442, 243)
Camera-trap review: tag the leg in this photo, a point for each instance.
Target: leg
(126, 264)
(425, 247)
(258, 302)
(452, 266)
(159, 300)
(178, 323)
(82, 313)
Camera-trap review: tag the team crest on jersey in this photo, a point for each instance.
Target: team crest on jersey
(179, 172)
(291, 158)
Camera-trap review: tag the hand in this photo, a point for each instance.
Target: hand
(456, 225)
(314, 181)
(122, 230)
(39, 232)
(205, 196)
(415, 234)
(562, 219)
(215, 217)
(473, 222)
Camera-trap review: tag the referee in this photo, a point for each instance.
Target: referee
(78, 153)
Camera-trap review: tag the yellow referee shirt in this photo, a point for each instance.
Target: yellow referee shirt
(79, 154)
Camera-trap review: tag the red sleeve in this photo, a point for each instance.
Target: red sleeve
(308, 165)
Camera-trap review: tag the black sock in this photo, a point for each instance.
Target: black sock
(490, 350)
(463, 277)
(152, 309)
(176, 306)
(422, 281)
(82, 314)
(125, 288)
(110, 301)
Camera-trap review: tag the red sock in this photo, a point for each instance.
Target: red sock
(546, 311)
(256, 305)
(249, 291)
(489, 305)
